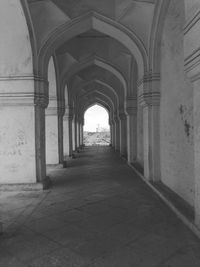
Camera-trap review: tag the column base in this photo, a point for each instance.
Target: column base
(26, 187)
(66, 159)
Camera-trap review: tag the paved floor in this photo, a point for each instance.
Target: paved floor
(98, 213)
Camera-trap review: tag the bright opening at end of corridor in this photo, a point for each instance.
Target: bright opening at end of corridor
(96, 127)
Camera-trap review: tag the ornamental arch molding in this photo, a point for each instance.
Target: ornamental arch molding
(104, 100)
(103, 87)
(101, 96)
(84, 23)
(97, 61)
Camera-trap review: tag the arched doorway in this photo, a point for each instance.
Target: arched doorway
(96, 126)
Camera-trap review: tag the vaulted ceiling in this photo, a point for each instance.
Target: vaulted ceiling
(94, 59)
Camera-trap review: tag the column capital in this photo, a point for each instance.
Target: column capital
(41, 100)
(150, 99)
(149, 89)
(41, 92)
(149, 77)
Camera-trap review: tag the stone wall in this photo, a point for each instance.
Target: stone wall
(176, 119)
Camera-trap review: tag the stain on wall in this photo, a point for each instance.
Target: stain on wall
(186, 115)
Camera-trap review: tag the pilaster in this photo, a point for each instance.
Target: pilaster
(123, 134)
(112, 132)
(67, 132)
(149, 98)
(117, 132)
(131, 111)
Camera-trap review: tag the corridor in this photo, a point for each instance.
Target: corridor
(97, 213)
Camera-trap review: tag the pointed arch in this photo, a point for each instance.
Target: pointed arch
(84, 23)
(101, 96)
(96, 102)
(102, 85)
(90, 61)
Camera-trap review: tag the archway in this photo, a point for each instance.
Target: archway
(96, 126)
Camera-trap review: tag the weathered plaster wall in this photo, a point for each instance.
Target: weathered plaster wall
(17, 110)
(17, 145)
(176, 120)
(16, 54)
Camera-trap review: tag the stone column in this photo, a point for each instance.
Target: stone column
(110, 128)
(41, 103)
(78, 133)
(67, 134)
(112, 133)
(22, 130)
(74, 133)
(81, 132)
(131, 110)
(150, 100)
(61, 111)
(117, 133)
(70, 134)
(123, 134)
(52, 150)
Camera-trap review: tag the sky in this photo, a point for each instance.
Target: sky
(95, 116)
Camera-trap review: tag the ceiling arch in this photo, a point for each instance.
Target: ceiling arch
(92, 60)
(98, 85)
(84, 23)
(96, 95)
(90, 94)
(96, 73)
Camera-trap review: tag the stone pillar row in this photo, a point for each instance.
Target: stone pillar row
(35, 130)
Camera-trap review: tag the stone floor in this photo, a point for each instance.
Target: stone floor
(97, 213)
